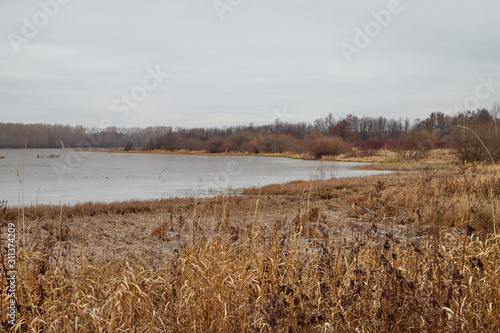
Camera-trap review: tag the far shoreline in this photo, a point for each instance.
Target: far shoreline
(197, 153)
(385, 157)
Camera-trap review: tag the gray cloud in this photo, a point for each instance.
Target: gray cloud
(263, 56)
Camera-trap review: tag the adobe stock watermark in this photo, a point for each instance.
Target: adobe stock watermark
(372, 29)
(31, 26)
(224, 6)
(138, 93)
(221, 177)
(282, 115)
(11, 274)
(483, 91)
(224, 171)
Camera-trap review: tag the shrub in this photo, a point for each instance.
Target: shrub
(370, 147)
(415, 146)
(319, 145)
(128, 146)
(193, 144)
(270, 143)
(214, 144)
(467, 143)
(228, 145)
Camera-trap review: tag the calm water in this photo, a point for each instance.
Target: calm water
(72, 176)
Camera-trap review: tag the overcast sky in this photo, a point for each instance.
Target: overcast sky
(233, 62)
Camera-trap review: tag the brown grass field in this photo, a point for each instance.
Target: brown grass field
(417, 250)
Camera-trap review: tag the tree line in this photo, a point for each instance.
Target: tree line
(466, 132)
(17, 135)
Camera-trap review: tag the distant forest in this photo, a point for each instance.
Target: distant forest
(324, 136)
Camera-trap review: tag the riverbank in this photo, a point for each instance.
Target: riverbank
(399, 251)
(383, 156)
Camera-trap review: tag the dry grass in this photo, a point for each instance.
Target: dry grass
(451, 196)
(415, 251)
(386, 156)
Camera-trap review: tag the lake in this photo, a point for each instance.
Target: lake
(55, 176)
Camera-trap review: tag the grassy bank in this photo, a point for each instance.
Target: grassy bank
(202, 153)
(414, 251)
(383, 156)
